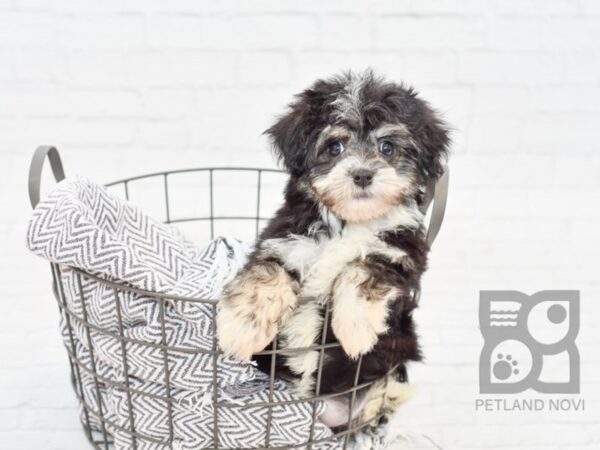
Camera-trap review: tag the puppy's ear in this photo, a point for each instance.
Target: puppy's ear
(293, 134)
(430, 133)
(435, 143)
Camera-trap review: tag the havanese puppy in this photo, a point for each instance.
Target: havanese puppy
(360, 152)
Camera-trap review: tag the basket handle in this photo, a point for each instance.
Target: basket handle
(35, 170)
(439, 197)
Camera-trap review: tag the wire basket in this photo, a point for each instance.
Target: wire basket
(95, 423)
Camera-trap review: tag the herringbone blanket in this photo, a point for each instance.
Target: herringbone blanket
(80, 225)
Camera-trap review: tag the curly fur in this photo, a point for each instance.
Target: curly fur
(350, 233)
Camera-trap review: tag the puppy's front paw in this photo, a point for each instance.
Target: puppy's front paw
(359, 310)
(255, 303)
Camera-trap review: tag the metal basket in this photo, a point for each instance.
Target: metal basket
(99, 436)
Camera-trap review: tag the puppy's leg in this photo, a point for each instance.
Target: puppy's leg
(382, 400)
(360, 309)
(385, 396)
(255, 303)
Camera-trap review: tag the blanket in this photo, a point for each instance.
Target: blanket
(81, 226)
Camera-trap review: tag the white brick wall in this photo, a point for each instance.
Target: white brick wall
(124, 87)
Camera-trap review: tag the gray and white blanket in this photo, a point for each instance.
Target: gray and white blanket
(83, 226)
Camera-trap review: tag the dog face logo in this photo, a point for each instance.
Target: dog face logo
(529, 342)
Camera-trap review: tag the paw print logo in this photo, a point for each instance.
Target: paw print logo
(505, 367)
(529, 342)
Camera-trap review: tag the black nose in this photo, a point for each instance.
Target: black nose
(362, 177)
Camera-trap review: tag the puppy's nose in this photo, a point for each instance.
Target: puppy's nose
(362, 177)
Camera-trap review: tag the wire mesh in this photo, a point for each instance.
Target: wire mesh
(98, 428)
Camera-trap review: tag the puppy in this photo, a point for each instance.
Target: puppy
(360, 152)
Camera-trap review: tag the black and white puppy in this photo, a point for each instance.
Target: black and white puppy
(360, 152)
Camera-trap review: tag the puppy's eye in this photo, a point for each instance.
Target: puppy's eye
(335, 148)
(386, 148)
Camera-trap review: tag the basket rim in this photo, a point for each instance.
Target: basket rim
(197, 169)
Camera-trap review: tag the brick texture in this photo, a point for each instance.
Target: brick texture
(128, 87)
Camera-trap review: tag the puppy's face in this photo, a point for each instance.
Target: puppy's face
(361, 176)
(360, 146)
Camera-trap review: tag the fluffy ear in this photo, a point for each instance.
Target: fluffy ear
(434, 143)
(294, 133)
(429, 132)
(437, 143)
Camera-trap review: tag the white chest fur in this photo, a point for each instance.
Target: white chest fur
(320, 257)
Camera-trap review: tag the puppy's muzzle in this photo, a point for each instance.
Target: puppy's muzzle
(362, 177)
